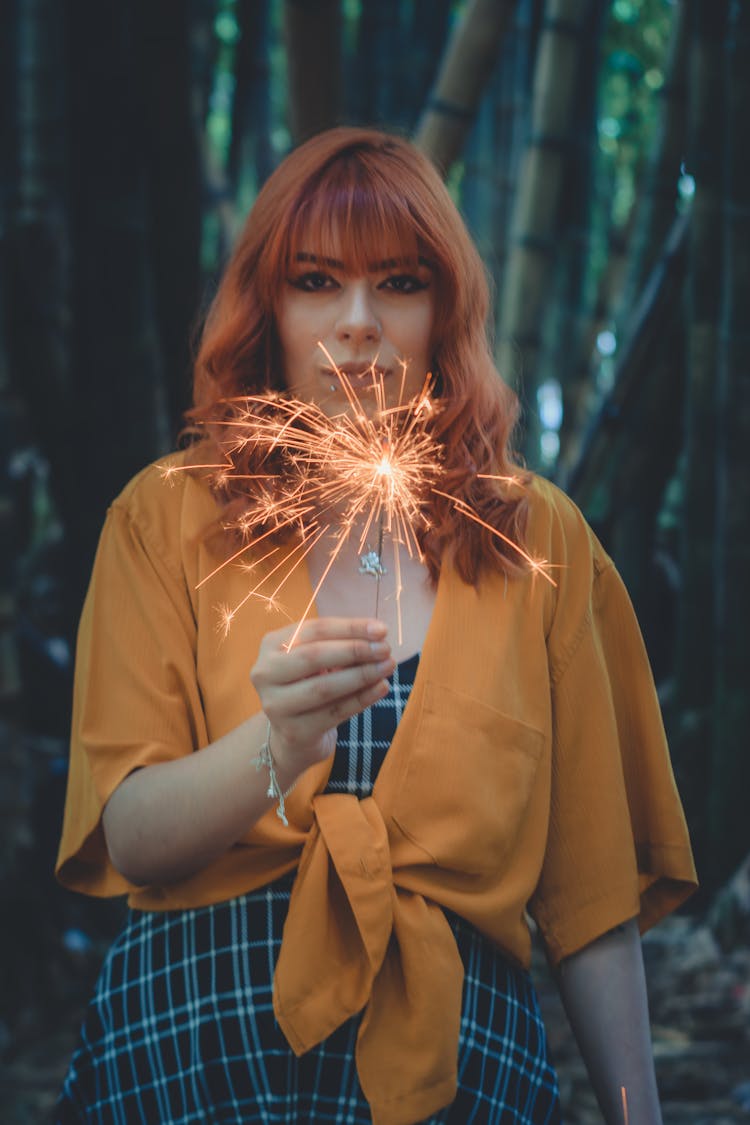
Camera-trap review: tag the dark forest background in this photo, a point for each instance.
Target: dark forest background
(599, 152)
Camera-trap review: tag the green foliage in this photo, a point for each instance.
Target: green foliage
(219, 119)
(632, 74)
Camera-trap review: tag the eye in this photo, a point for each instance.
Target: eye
(403, 283)
(314, 281)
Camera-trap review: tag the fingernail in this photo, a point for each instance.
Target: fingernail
(376, 629)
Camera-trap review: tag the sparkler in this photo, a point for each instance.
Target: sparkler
(365, 472)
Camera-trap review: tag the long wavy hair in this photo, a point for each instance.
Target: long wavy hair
(347, 194)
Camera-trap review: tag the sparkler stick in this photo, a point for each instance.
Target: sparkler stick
(371, 563)
(624, 1105)
(379, 575)
(329, 477)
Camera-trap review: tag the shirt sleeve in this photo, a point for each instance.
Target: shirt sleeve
(136, 697)
(618, 845)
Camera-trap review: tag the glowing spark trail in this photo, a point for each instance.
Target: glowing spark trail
(365, 472)
(538, 566)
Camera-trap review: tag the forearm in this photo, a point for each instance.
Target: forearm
(603, 989)
(171, 819)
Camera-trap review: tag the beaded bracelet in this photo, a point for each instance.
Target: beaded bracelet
(265, 758)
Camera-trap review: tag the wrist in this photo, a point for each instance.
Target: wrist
(285, 760)
(281, 781)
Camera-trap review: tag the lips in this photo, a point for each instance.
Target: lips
(356, 371)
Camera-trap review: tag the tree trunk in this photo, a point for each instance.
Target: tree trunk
(694, 698)
(590, 481)
(220, 220)
(646, 454)
(379, 83)
(251, 152)
(630, 457)
(9, 516)
(312, 30)
(39, 244)
(162, 37)
(538, 194)
(429, 27)
(566, 355)
(204, 51)
(730, 781)
(38, 261)
(14, 531)
(495, 146)
(658, 201)
(632, 251)
(469, 59)
(116, 395)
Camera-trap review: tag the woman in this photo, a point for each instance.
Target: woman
(276, 777)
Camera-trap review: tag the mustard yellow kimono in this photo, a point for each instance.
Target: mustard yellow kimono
(529, 773)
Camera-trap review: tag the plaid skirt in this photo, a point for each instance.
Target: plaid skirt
(181, 1027)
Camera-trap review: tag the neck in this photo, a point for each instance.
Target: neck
(394, 586)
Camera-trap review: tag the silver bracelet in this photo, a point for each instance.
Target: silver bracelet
(274, 791)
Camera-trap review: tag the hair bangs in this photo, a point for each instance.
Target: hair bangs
(352, 216)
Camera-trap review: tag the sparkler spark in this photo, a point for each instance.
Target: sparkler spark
(360, 472)
(538, 566)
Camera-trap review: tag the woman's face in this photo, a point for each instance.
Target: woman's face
(384, 318)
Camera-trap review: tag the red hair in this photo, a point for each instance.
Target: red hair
(349, 193)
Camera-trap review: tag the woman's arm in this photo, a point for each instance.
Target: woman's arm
(603, 989)
(167, 821)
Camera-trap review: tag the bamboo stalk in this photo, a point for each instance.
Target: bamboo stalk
(251, 152)
(691, 727)
(566, 351)
(661, 294)
(730, 781)
(495, 146)
(707, 117)
(312, 30)
(470, 56)
(162, 36)
(534, 224)
(656, 208)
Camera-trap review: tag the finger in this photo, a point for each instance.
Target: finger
(319, 657)
(343, 709)
(332, 628)
(339, 710)
(321, 692)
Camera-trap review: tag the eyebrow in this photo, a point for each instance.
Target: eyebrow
(336, 264)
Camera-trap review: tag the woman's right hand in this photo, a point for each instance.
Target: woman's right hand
(335, 668)
(173, 818)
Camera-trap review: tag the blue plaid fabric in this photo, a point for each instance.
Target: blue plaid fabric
(362, 742)
(181, 1028)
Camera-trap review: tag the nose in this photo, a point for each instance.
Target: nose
(357, 322)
